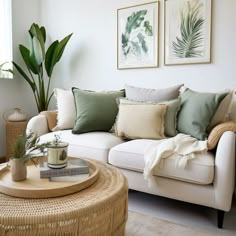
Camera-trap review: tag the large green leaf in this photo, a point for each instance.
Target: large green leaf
(30, 63)
(37, 51)
(142, 41)
(136, 48)
(124, 40)
(43, 32)
(32, 30)
(189, 43)
(40, 38)
(55, 53)
(40, 34)
(48, 57)
(134, 21)
(148, 28)
(25, 76)
(61, 47)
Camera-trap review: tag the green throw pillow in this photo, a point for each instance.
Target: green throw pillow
(95, 111)
(170, 116)
(196, 112)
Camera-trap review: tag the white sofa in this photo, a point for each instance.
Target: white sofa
(207, 180)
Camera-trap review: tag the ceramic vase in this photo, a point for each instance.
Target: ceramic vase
(17, 115)
(18, 170)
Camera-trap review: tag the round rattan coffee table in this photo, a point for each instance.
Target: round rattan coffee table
(100, 209)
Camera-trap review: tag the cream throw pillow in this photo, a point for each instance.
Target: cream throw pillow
(170, 115)
(66, 114)
(141, 121)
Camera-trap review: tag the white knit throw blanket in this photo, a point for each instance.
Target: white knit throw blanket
(183, 145)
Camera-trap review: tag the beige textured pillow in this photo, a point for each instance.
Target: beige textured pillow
(141, 121)
(216, 133)
(51, 118)
(222, 111)
(170, 115)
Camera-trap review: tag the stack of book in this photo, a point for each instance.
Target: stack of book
(75, 170)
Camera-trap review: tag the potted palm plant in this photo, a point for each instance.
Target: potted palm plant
(22, 150)
(38, 60)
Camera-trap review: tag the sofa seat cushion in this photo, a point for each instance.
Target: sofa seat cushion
(130, 155)
(95, 145)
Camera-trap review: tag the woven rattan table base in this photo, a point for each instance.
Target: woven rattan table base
(100, 209)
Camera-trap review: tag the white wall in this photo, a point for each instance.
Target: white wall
(15, 92)
(90, 58)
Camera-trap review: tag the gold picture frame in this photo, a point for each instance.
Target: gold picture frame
(187, 32)
(138, 36)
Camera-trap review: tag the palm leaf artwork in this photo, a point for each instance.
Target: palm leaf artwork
(190, 42)
(133, 37)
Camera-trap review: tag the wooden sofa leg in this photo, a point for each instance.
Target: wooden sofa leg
(220, 218)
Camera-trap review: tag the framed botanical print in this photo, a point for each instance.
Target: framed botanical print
(137, 36)
(187, 31)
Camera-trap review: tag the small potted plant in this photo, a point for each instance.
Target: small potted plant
(22, 151)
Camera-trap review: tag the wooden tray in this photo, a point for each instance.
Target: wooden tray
(34, 187)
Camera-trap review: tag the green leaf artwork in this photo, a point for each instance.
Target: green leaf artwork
(136, 47)
(148, 28)
(142, 41)
(189, 43)
(134, 21)
(136, 30)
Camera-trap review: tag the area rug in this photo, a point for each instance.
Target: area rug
(143, 225)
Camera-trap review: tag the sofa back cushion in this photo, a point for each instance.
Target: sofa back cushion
(148, 94)
(95, 111)
(141, 121)
(196, 112)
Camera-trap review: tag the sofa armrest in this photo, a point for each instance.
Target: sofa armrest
(38, 124)
(51, 118)
(224, 179)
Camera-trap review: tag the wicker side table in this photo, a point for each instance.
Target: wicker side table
(13, 129)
